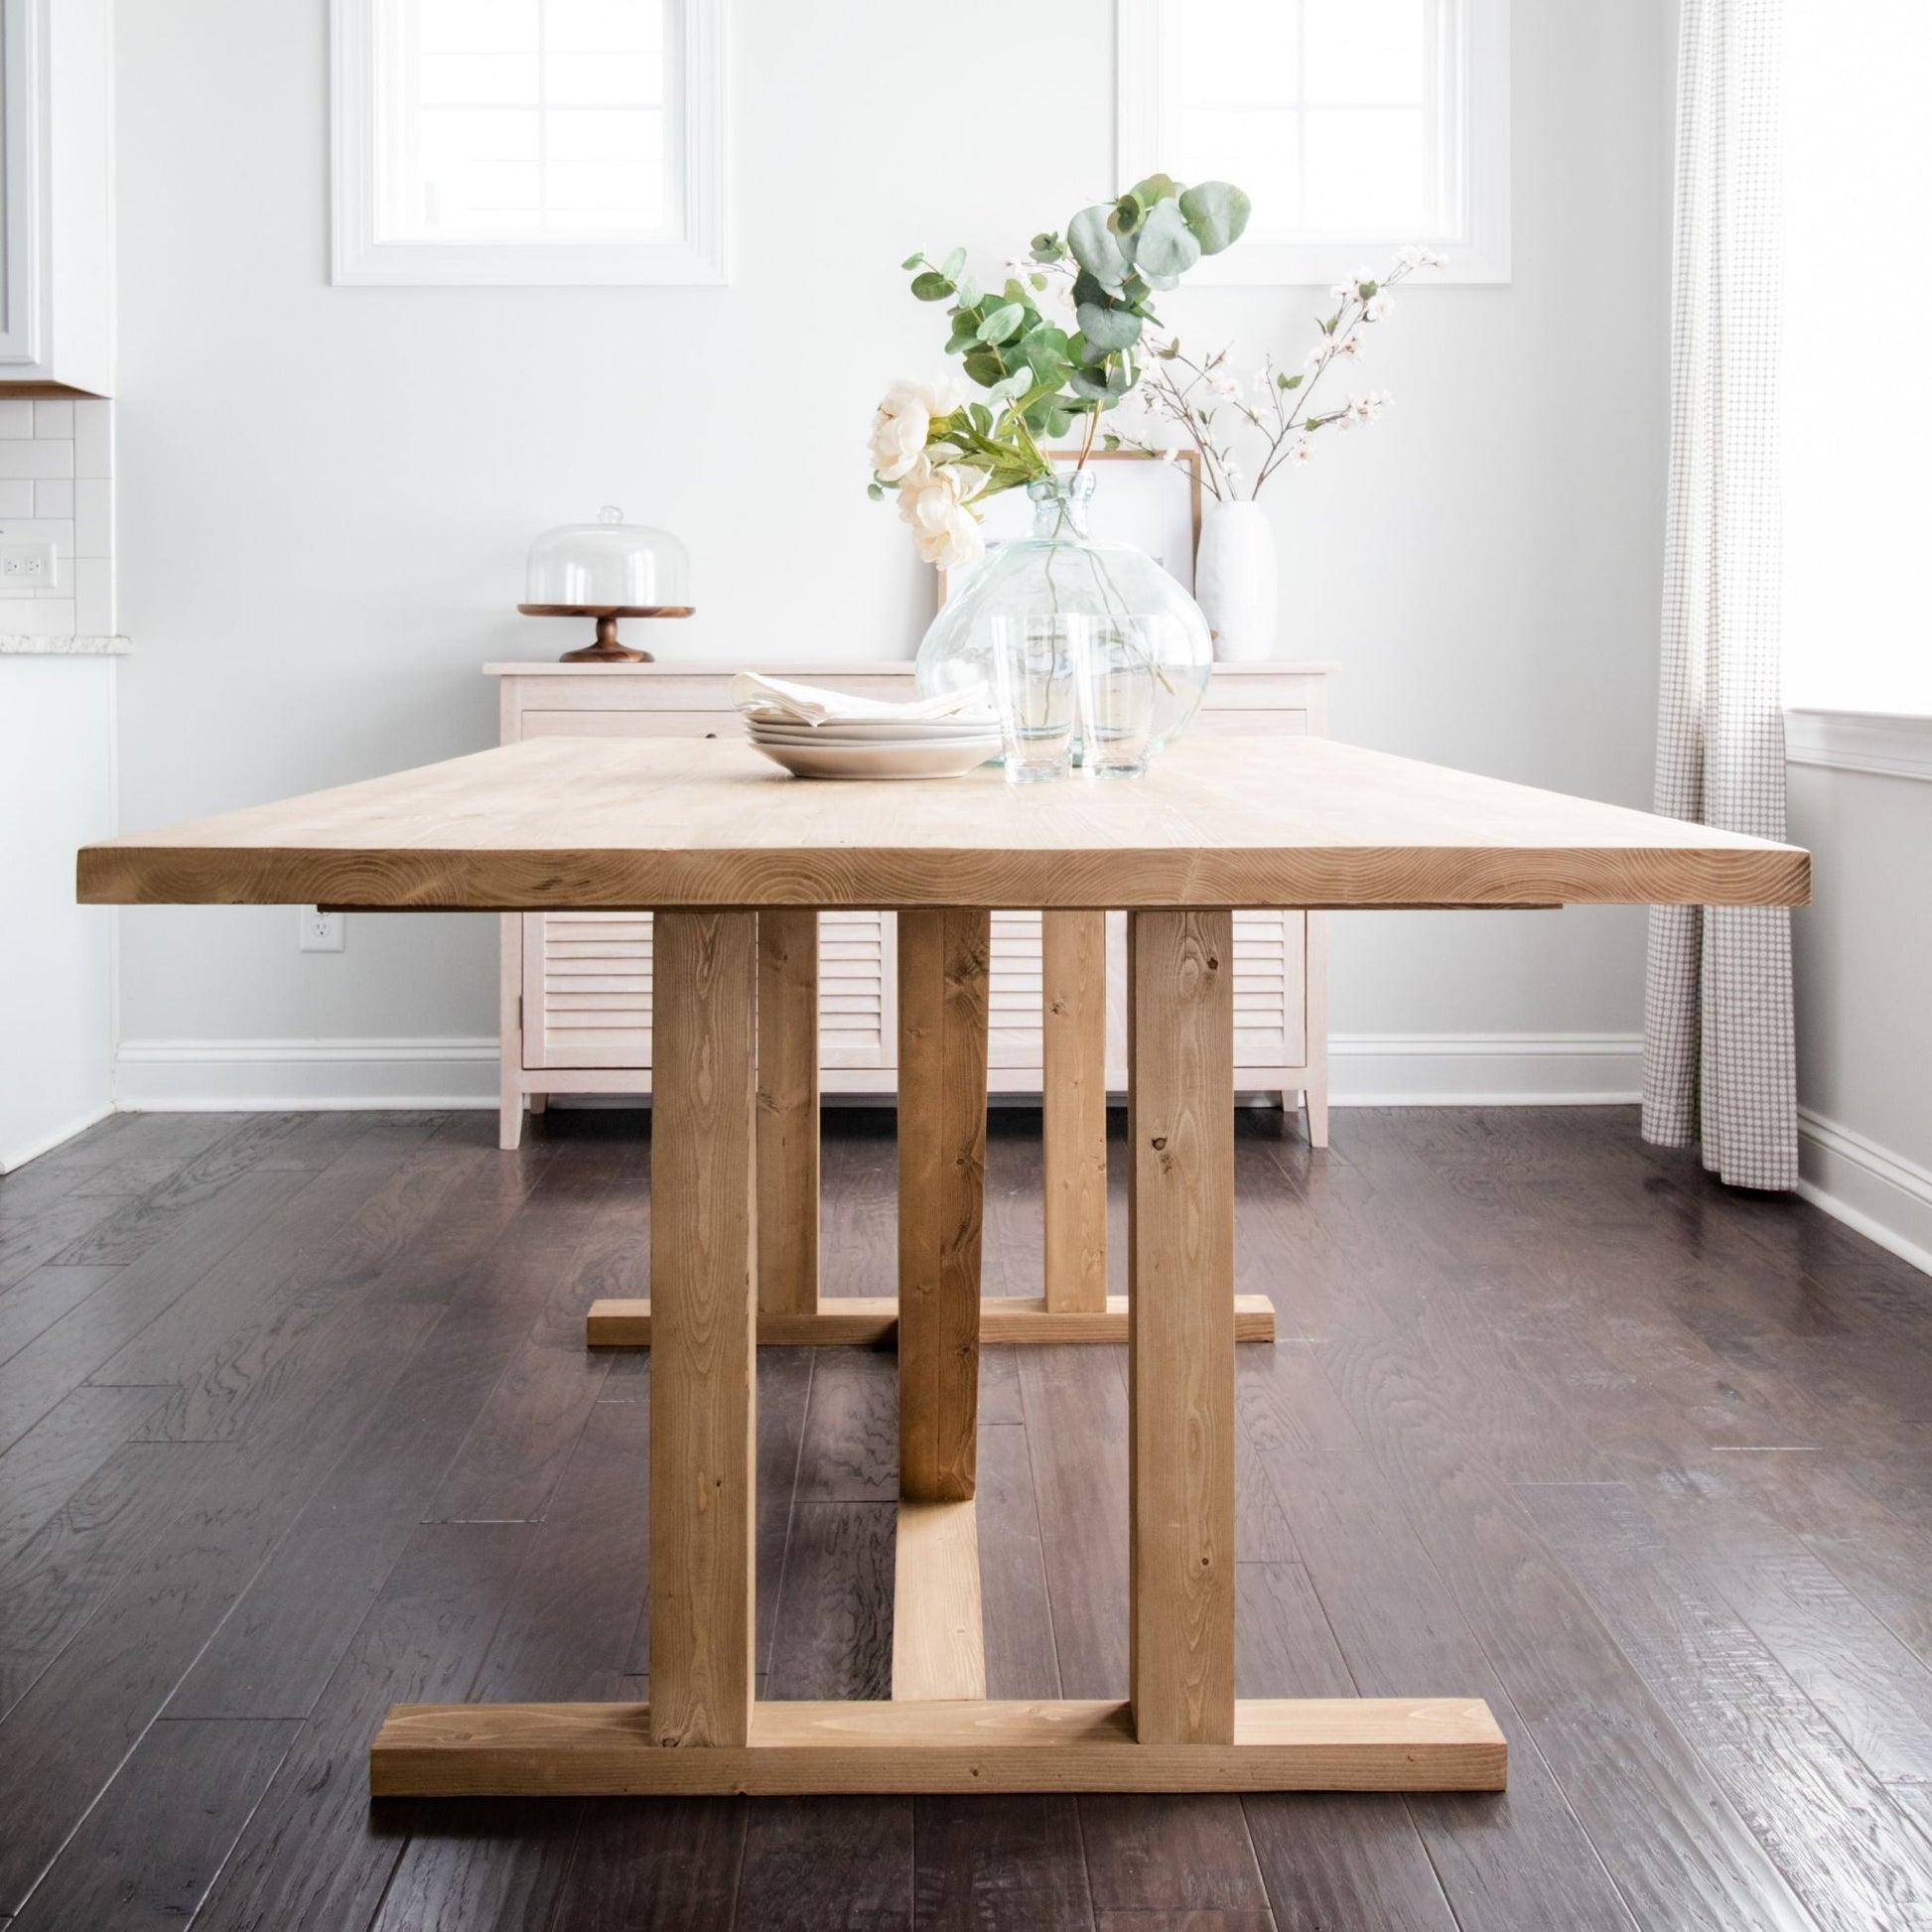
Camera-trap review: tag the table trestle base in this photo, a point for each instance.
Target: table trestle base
(735, 1263)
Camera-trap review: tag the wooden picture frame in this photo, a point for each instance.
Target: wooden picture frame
(1007, 514)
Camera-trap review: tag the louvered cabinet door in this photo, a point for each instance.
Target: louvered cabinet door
(1014, 1037)
(1271, 1012)
(587, 989)
(858, 1019)
(1271, 1022)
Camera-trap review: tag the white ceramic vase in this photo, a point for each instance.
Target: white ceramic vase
(1236, 582)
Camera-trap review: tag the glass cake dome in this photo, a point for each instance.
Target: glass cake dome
(606, 570)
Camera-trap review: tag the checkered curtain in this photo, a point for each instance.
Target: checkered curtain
(1719, 1059)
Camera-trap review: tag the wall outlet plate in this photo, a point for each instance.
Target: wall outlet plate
(323, 931)
(30, 562)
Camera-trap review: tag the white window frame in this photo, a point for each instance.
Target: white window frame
(1896, 744)
(697, 255)
(1475, 52)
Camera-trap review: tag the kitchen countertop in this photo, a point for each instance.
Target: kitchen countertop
(17, 646)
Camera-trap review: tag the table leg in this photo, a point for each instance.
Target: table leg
(942, 993)
(787, 1148)
(1074, 1105)
(1180, 1325)
(704, 1336)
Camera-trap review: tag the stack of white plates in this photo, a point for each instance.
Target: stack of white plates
(877, 747)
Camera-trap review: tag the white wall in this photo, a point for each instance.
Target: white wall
(327, 494)
(57, 792)
(1863, 956)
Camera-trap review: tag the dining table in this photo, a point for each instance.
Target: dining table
(733, 860)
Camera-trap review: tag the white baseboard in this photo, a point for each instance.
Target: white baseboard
(1886, 1198)
(30, 1149)
(1367, 1070)
(1881, 1194)
(1484, 1069)
(303, 1075)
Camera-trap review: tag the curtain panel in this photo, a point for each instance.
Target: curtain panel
(1720, 1066)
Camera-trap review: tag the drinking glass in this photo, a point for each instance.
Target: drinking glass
(1117, 657)
(1033, 680)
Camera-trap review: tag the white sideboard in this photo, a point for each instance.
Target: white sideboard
(576, 989)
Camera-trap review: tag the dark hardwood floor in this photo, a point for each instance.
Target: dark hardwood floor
(295, 1422)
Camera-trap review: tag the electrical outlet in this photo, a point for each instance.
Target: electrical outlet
(323, 931)
(31, 562)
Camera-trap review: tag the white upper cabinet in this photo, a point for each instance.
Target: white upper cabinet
(57, 320)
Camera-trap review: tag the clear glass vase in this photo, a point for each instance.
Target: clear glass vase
(1060, 570)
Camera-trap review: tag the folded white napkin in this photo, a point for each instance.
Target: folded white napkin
(772, 698)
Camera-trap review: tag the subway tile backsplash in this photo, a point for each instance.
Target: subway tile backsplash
(57, 482)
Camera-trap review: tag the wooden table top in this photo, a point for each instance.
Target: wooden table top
(627, 823)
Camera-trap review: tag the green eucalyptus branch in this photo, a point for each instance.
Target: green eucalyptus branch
(1119, 256)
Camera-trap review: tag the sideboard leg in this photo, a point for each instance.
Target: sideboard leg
(1073, 1108)
(1315, 1011)
(510, 1052)
(703, 1328)
(942, 998)
(787, 1148)
(1180, 1325)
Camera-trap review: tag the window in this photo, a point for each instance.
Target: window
(505, 141)
(1858, 491)
(1356, 125)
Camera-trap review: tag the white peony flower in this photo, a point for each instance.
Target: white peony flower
(933, 498)
(904, 420)
(917, 477)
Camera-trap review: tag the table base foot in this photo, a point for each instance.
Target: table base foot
(605, 1749)
(857, 1319)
